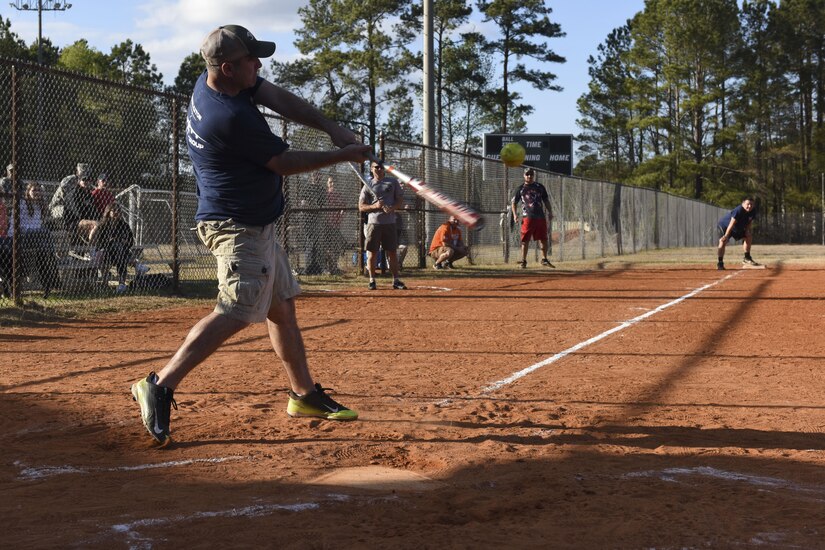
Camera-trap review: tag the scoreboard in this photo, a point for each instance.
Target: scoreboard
(551, 152)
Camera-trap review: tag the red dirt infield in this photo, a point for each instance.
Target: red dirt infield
(669, 405)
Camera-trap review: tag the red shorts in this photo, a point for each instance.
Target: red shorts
(533, 229)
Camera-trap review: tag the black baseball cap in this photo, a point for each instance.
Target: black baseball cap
(232, 42)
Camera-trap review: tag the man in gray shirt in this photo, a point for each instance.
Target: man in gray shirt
(380, 203)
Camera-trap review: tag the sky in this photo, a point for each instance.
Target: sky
(169, 30)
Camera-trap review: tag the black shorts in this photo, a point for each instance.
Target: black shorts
(720, 232)
(381, 234)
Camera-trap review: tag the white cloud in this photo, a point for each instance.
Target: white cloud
(171, 31)
(260, 16)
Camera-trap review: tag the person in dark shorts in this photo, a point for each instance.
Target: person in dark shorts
(534, 200)
(239, 166)
(737, 225)
(380, 204)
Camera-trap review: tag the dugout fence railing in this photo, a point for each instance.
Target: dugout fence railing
(53, 120)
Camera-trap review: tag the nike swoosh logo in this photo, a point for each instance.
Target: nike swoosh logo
(331, 409)
(159, 431)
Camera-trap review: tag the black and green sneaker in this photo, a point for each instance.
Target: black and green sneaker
(318, 404)
(156, 404)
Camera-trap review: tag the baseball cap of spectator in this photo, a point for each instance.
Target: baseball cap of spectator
(103, 177)
(232, 42)
(529, 171)
(82, 170)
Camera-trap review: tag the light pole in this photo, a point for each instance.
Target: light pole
(40, 7)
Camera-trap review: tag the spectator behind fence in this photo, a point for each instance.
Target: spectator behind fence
(5, 242)
(309, 215)
(5, 183)
(333, 215)
(447, 245)
(57, 206)
(36, 244)
(80, 214)
(112, 241)
(101, 195)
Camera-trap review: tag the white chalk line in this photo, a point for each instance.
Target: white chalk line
(562, 354)
(257, 510)
(131, 529)
(436, 288)
(671, 475)
(359, 291)
(29, 473)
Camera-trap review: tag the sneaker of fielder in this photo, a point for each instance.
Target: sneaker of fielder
(546, 262)
(372, 285)
(318, 404)
(438, 266)
(720, 265)
(523, 264)
(749, 261)
(398, 285)
(155, 403)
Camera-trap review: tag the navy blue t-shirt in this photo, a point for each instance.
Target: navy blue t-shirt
(230, 143)
(532, 197)
(742, 217)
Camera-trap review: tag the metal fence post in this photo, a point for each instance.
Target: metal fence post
(16, 260)
(563, 225)
(581, 217)
(602, 222)
(633, 219)
(284, 191)
(175, 199)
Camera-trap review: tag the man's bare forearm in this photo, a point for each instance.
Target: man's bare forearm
(295, 162)
(293, 107)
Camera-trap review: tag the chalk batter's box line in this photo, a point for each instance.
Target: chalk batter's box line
(495, 386)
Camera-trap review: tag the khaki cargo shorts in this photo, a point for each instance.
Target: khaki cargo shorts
(253, 270)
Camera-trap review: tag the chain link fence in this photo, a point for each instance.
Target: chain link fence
(61, 128)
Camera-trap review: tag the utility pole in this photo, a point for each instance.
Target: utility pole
(428, 110)
(40, 7)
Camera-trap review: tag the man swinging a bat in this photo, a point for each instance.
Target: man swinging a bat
(239, 165)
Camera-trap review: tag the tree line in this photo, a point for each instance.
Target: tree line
(712, 99)
(361, 62)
